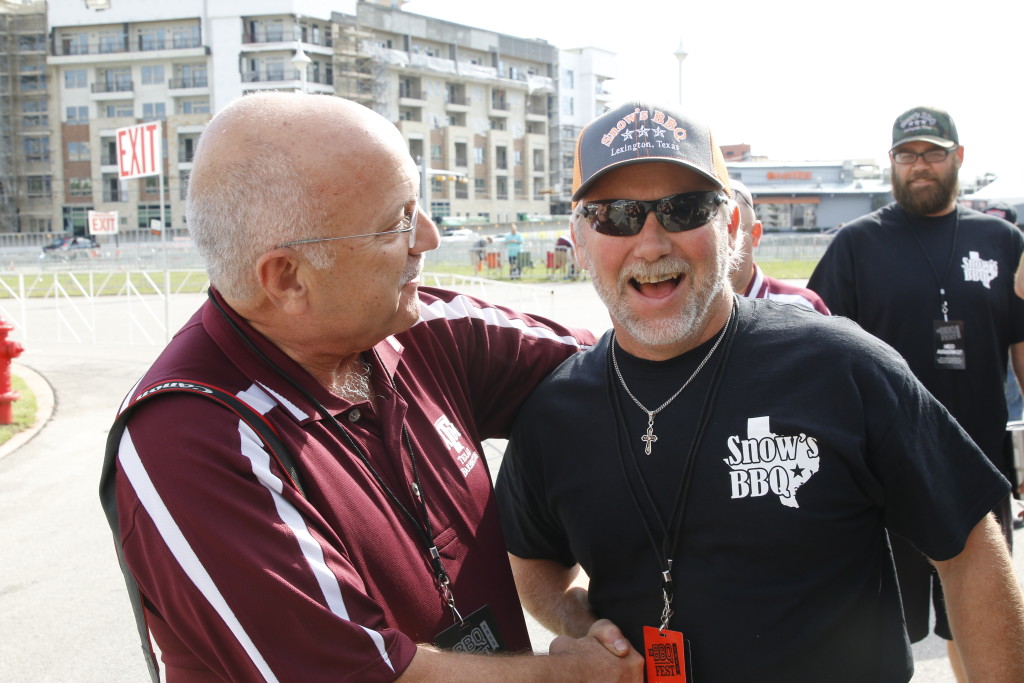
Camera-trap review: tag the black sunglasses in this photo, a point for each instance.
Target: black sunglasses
(626, 217)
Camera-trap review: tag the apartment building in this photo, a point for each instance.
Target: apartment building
(482, 112)
(583, 94)
(476, 107)
(177, 63)
(26, 197)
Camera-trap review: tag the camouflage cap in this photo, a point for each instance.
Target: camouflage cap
(927, 124)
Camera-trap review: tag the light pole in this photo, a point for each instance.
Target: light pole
(301, 60)
(681, 54)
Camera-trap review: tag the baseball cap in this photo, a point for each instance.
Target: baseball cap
(1002, 210)
(637, 132)
(927, 124)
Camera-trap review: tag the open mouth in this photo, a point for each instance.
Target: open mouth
(656, 285)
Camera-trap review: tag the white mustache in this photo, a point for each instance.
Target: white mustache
(662, 269)
(413, 269)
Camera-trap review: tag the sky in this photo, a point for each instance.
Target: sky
(800, 80)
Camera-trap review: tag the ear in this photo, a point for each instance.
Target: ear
(283, 279)
(960, 155)
(756, 230)
(734, 225)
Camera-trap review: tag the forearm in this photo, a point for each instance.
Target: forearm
(555, 595)
(584, 661)
(985, 606)
(1018, 278)
(1017, 363)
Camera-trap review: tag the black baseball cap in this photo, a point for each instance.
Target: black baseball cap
(927, 124)
(1002, 210)
(637, 132)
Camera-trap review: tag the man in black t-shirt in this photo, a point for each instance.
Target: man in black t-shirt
(935, 280)
(722, 469)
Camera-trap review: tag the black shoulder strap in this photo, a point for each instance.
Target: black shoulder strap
(108, 496)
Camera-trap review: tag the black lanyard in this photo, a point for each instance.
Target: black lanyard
(421, 523)
(941, 282)
(670, 532)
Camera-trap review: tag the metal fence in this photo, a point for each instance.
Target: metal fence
(140, 292)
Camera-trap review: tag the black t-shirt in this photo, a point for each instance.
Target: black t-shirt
(884, 271)
(818, 438)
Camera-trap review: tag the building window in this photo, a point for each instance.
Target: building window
(37, 186)
(570, 79)
(517, 157)
(501, 185)
(153, 74)
(78, 151)
(408, 114)
(111, 42)
(153, 111)
(497, 124)
(195, 106)
(76, 78)
(480, 187)
(148, 212)
(538, 160)
(77, 44)
(119, 110)
(501, 158)
(32, 83)
(186, 37)
(478, 155)
(36, 148)
(80, 187)
(78, 116)
(152, 39)
(435, 154)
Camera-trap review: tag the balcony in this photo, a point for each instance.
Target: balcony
(500, 107)
(112, 195)
(189, 86)
(70, 52)
(126, 86)
(188, 82)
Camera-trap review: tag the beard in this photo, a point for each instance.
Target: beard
(688, 323)
(926, 201)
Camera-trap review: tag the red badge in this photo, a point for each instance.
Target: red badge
(665, 654)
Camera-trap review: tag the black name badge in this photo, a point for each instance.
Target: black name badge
(478, 634)
(949, 345)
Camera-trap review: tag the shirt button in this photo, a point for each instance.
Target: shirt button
(354, 415)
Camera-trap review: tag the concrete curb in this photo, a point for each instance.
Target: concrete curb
(45, 404)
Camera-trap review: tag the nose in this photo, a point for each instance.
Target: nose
(427, 236)
(653, 240)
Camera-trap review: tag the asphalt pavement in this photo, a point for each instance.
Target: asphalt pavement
(64, 613)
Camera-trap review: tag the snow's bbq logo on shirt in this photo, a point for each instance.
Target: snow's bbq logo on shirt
(763, 462)
(463, 454)
(977, 269)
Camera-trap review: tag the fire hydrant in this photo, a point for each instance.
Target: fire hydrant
(8, 350)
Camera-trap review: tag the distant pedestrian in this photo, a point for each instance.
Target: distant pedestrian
(513, 246)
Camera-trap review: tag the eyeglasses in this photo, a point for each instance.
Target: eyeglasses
(409, 223)
(741, 197)
(626, 217)
(932, 156)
